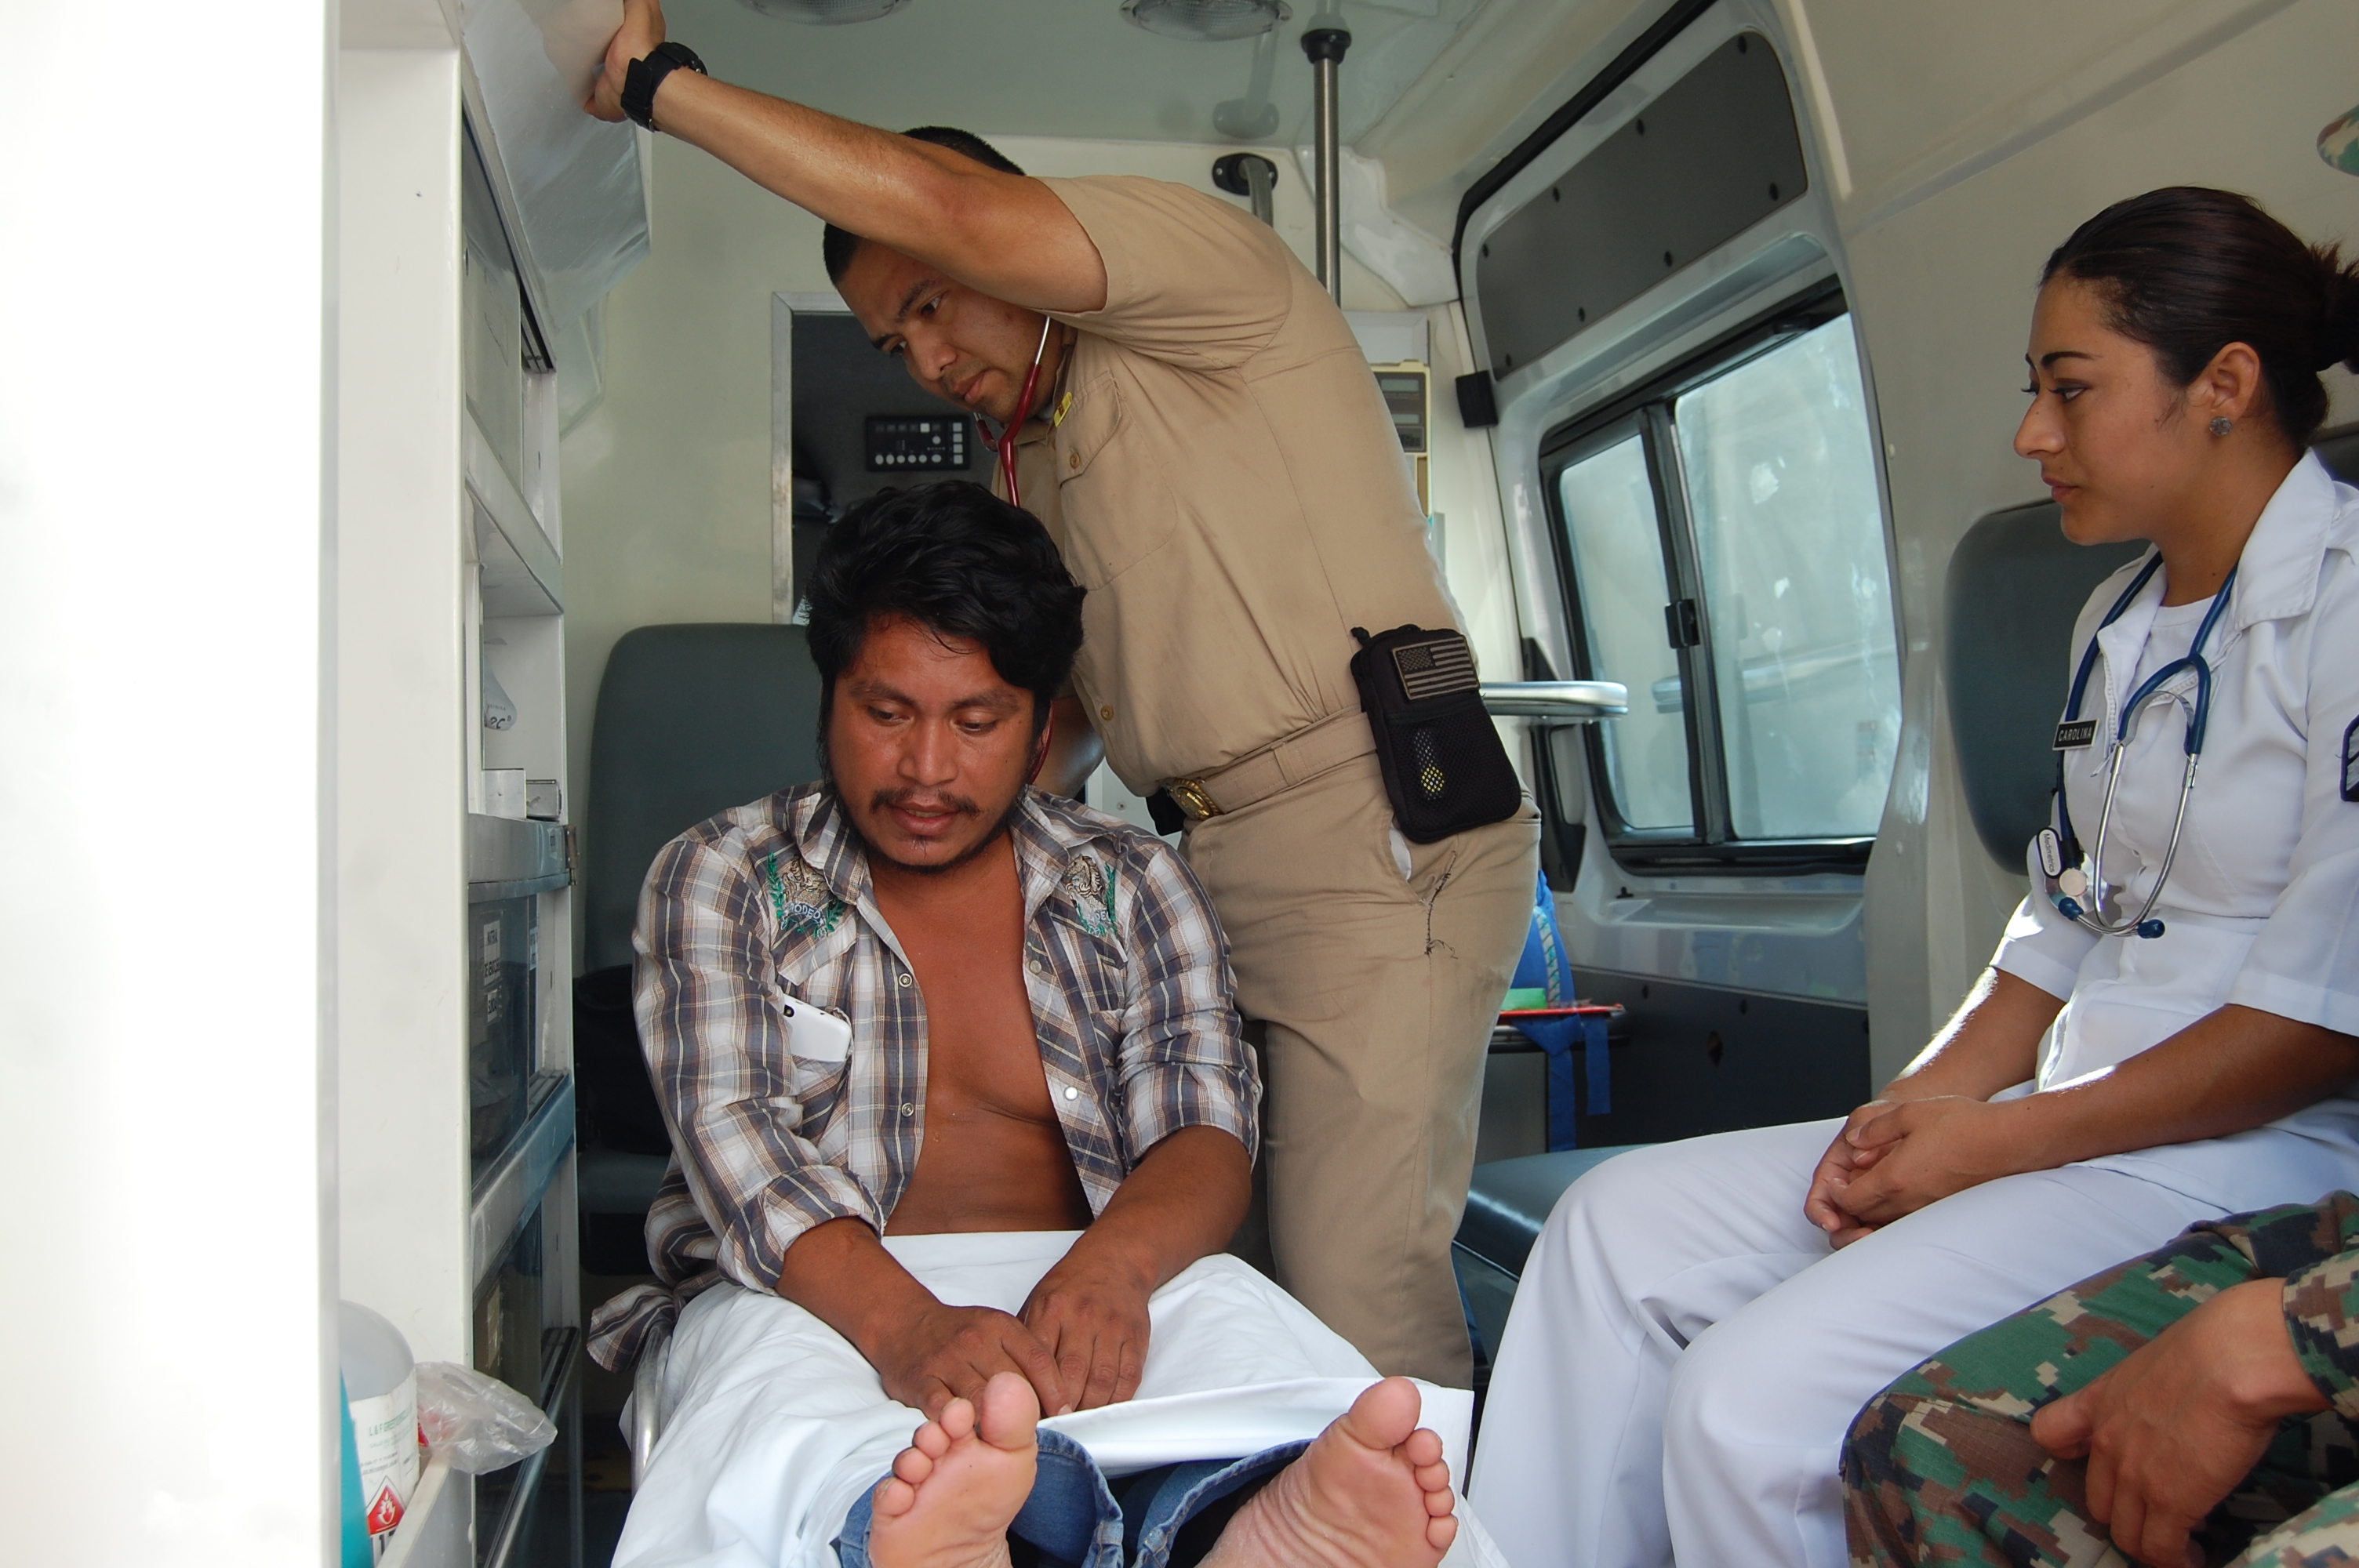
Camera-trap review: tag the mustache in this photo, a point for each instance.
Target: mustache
(926, 800)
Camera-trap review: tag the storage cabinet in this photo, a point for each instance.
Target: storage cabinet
(454, 857)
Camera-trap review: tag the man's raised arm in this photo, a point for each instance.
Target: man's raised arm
(1006, 235)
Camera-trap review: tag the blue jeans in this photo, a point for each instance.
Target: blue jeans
(1075, 1518)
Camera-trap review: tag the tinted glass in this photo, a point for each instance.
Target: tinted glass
(1617, 567)
(1780, 479)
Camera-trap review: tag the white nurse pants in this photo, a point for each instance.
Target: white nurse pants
(1687, 1351)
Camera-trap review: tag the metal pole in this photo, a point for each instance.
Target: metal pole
(1324, 46)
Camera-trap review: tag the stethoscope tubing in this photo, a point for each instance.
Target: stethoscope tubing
(1004, 442)
(2199, 714)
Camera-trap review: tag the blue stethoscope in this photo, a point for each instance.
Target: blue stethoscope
(2065, 877)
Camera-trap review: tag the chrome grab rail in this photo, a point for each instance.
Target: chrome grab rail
(1556, 702)
(644, 1412)
(559, 1345)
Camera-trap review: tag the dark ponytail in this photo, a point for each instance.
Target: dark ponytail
(2187, 270)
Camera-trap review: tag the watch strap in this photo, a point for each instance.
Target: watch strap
(647, 73)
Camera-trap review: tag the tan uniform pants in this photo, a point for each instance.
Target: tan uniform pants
(1377, 994)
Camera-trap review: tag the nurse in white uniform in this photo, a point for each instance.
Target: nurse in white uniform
(1699, 1321)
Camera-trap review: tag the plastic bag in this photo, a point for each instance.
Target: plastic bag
(483, 1424)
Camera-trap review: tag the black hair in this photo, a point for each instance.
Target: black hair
(958, 560)
(836, 247)
(2187, 270)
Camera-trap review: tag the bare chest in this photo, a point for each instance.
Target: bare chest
(982, 1049)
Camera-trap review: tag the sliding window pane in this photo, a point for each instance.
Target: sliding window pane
(1617, 567)
(1780, 476)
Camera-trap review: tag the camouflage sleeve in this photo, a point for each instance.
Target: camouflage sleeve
(2322, 1311)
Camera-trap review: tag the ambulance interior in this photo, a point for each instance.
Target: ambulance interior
(1701, 322)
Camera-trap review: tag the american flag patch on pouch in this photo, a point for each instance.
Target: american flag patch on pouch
(1435, 668)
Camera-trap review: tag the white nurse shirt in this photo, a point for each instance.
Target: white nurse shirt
(2258, 909)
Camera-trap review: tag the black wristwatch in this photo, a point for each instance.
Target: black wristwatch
(647, 73)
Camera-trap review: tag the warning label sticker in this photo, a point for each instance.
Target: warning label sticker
(386, 1512)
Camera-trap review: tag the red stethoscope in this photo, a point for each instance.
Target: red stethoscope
(1004, 443)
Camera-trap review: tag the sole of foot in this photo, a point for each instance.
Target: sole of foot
(1370, 1492)
(958, 1486)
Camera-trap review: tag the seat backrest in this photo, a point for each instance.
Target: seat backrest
(692, 721)
(2014, 587)
(2338, 451)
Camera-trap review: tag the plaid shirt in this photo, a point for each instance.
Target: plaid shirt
(1126, 966)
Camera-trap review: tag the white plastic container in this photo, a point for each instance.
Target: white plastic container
(381, 1382)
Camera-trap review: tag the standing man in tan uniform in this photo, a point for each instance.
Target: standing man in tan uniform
(1205, 442)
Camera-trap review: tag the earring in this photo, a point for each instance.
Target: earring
(2223, 425)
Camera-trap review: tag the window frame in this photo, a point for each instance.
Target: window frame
(1645, 410)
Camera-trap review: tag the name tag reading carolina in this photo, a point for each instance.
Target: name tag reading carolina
(2076, 735)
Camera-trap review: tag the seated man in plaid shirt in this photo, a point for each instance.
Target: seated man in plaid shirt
(1006, 1198)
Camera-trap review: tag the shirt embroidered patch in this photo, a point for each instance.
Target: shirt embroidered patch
(1089, 883)
(2351, 761)
(801, 899)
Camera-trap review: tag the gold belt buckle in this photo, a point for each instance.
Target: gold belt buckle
(1191, 797)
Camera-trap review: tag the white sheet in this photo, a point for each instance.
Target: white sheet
(774, 1425)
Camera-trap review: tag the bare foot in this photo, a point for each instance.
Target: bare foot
(1371, 1492)
(958, 1486)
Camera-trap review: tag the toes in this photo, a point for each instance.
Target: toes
(1384, 1415)
(1433, 1477)
(913, 1465)
(892, 1497)
(1010, 1418)
(1440, 1532)
(1423, 1447)
(957, 1421)
(1439, 1504)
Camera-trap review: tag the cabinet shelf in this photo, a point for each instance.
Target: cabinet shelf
(512, 1189)
(523, 574)
(505, 853)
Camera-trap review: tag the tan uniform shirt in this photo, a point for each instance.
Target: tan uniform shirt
(1226, 483)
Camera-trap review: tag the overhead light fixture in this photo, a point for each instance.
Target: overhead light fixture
(826, 13)
(1206, 21)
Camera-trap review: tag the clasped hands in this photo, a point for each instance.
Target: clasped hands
(1894, 1157)
(1080, 1340)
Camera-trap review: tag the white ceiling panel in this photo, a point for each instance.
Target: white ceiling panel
(1068, 68)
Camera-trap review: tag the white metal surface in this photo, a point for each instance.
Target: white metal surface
(404, 677)
(169, 1368)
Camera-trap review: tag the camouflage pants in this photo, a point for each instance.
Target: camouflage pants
(1942, 1466)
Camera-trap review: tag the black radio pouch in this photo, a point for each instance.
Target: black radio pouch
(1444, 767)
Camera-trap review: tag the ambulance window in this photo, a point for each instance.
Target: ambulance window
(1616, 538)
(1780, 482)
(1722, 541)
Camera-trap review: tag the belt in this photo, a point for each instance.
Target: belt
(1277, 767)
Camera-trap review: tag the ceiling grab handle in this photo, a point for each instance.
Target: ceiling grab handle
(1324, 46)
(1248, 175)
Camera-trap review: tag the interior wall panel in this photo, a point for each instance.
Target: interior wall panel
(1944, 289)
